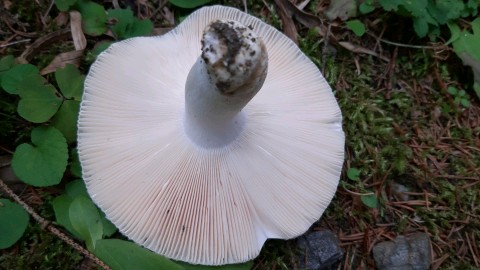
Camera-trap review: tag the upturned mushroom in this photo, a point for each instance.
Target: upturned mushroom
(202, 143)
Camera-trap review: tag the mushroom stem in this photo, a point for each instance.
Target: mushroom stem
(228, 74)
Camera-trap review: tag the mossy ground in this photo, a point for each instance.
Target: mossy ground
(401, 125)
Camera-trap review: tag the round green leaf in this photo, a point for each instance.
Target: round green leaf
(65, 119)
(357, 27)
(353, 174)
(13, 222)
(124, 255)
(94, 17)
(64, 5)
(12, 77)
(39, 101)
(123, 18)
(189, 3)
(44, 162)
(369, 200)
(86, 220)
(61, 206)
(7, 62)
(76, 188)
(140, 28)
(70, 81)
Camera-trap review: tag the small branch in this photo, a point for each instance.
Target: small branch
(15, 42)
(401, 44)
(45, 224)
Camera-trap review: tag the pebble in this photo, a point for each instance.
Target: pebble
(320, 250)
(404, 253)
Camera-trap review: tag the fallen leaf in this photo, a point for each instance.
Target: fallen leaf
(342, 9)
(78, 37)
(61, 60)
(287, 22)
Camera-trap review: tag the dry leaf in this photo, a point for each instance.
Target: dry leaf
(287, 22)
(72, 57)
(78, 37)
(342, 9)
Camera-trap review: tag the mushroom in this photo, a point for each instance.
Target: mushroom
(188, 160)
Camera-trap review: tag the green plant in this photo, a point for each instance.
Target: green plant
(96, 20)
(465, 45)
(460, 96)
(356, 26)
(427, 15)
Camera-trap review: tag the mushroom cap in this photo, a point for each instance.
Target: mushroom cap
(207, 205)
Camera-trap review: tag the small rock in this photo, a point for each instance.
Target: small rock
(320, 250)
(404, 253)
(400, 192)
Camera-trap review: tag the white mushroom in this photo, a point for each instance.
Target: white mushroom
(186, 160)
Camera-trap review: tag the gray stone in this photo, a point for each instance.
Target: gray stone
(404, 253)
(320, 250)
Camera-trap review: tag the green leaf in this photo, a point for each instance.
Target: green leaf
(108, 228)
(65, 119)
(452, 90)
(366, 7)
(70, 81)
(465, 102)
(17, 74)
(126, 25)
(468, 42)
(61, 206)
(353, 174)
(357, 27)
(13, 222)
(239, 266)
(369, 200)
(124, 255)
(121, 19)
(7, 62)
(94, 17)
(390, 5)
(39, 101)
(418, 8)
(189, 3)
(76, 188)
(75, 167)
(64, 5)
(140, 28)
(445, 10)
(86, 220)
(43, 163)
(420, 26)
